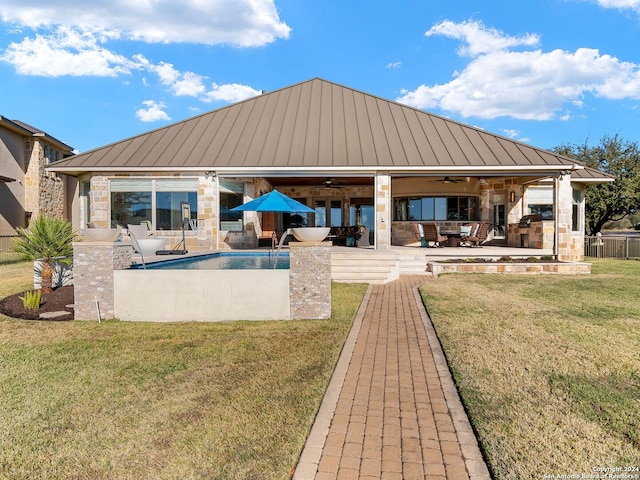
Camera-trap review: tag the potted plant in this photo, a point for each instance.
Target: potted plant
(46, 239)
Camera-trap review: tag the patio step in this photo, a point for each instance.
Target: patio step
(372, 267)
(412, 266)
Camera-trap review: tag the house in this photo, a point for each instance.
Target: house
(355, 158)
(26, 188)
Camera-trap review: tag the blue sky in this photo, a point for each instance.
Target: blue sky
(545, 72)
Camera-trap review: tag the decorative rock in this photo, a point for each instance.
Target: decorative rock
(50, 315)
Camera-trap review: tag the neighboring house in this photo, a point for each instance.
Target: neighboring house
(355, 158)
(26, 188)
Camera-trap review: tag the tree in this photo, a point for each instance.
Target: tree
(609, 201)
(47, 239)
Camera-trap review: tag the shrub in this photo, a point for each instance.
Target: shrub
(31, 299)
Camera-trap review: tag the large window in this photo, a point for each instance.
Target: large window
(437, 208)
(157, 201)
(540, 201)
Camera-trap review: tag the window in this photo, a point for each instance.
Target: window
(85, 203)
(231, 196)
(361, 212)
(576, 217)
(540, 201)
(437, 208)
(157, 201)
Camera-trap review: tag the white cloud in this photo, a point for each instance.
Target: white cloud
(620, 4)
(66, 52)
(153, 113)
(71, 52)
(479, 39)
(530, 84)
(231, 92)
(394, 65)
(245, 23)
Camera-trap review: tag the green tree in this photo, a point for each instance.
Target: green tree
(47, 239)
(609, 201)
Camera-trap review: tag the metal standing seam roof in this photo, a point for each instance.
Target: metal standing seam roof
(315, 125)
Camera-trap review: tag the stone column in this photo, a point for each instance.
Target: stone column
(310, 280)
(382, 199)
(570, 244)
(93, 266)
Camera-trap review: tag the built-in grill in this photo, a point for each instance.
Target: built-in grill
(525, 221)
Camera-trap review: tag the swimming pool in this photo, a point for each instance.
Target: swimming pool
(224, 261)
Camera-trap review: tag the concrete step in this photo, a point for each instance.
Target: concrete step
(372, 267)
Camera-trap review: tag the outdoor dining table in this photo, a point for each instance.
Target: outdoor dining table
(454, 238)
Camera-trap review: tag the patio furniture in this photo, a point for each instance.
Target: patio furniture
(432, 234)
(467, 230)
(142, 244)
(478, 235)
(349, 235)
(419, 231)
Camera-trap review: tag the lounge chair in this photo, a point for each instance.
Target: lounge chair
(432, 234)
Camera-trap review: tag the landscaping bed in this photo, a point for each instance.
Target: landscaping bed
(59, 300)
(508, 265)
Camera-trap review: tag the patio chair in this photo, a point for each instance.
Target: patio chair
(137, 232)
(480, 235)
(467, 230)
(432, 234)
(419, 231)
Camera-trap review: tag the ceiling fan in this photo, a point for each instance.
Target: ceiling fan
(331, 183)
(446, 179)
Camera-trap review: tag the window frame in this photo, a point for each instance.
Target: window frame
(156, 185)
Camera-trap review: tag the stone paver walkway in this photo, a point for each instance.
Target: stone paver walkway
(392, 410)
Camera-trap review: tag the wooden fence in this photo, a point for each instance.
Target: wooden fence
(7, 255)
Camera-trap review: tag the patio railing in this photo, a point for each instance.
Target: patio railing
(7, 255)
(612, 246)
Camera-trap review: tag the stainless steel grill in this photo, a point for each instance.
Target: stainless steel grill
(525, 221)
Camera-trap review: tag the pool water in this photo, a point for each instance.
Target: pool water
(224, 261)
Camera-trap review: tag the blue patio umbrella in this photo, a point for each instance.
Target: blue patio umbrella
(274, 201)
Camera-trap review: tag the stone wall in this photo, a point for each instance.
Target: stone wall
(44, 191)
(552, 268)
(310, 280)
(93, 266)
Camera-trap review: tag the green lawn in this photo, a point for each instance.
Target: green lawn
(141, 400)
(547, 366)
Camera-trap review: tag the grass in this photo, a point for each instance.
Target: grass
(137, 400)
(548, 367)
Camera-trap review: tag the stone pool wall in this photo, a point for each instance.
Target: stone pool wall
(93, 266)
(103, 279)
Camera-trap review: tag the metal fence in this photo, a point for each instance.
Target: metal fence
(7, 255)
(612, 246)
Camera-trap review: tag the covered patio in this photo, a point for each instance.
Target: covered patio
(354, 158)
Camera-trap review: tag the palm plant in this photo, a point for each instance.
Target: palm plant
(47, 239)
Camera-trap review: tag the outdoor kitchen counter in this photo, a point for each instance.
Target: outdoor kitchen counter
(538, 234)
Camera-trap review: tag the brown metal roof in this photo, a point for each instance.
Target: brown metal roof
(591, 175)
(316, 126)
